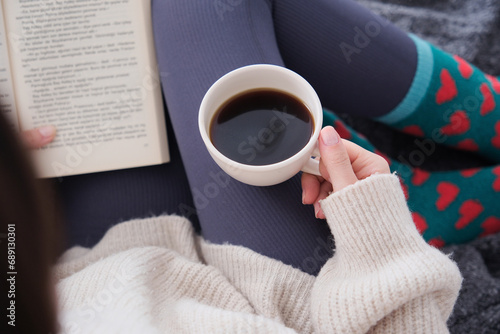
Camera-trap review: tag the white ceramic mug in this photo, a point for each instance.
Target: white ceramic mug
(262, 76)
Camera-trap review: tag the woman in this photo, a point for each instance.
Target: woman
(360, 65)
(155, 275)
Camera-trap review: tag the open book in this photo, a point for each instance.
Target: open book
(88, 68)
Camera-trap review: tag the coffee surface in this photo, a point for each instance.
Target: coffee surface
(261, 127)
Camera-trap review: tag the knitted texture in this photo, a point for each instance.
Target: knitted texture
(156, 276)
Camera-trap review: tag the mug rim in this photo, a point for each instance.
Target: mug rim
(308, 147)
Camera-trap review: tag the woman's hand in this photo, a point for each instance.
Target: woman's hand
(342, 163)
(38, 137)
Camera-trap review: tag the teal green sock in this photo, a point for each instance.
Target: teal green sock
(447, 207)
(450, 102)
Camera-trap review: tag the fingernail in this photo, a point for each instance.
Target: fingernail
(329, 136)
(303, 196)
(46, 131)
(316, 209)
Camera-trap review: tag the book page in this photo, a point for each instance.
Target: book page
(7, 99)
(89, 68)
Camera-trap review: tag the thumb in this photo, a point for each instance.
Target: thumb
(335, 165)
(36, 138)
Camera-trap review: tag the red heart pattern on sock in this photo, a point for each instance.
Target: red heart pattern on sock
(471, 134)
(448, 90)
(469, 172)
(468, 145)
(495, 141)
(436, 242)
(464, 203)
(464, 67)
(420, 222)
(469, 210)
(489, 102)
(496, 183)
(448, 192)
(342, 130)
(491, 225)
(413, 130)
(419, 177)
(459, 124)
(495, 83)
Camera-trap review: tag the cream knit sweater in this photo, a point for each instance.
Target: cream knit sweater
(156, 276)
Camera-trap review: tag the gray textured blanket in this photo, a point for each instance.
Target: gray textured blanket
(471, 29)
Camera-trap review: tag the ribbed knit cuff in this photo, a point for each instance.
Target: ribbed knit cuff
(419, 86)
(371, 219)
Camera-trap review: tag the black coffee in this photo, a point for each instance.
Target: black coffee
(261, 127)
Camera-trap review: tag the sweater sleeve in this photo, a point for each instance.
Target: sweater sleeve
(383, 278)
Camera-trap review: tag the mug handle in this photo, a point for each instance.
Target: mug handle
(312, 165)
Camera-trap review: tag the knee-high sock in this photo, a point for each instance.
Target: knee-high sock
(449, 207)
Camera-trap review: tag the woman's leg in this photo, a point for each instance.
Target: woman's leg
(362, 65)
(359, 63)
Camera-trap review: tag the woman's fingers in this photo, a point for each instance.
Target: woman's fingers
(365, 163)
(310, 187)
(325, 191)
(38, 137)
(342, 163)
(335, 164)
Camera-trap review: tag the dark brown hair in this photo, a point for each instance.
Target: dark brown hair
(29, 241)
